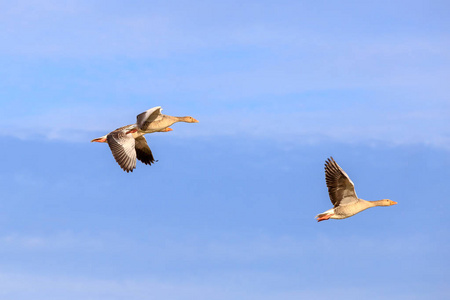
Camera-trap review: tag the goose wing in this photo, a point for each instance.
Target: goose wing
(144, 119)
(122, 146)
(340, 187)
(143, 152)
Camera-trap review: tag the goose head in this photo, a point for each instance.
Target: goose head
(189, 120)
(386, 202)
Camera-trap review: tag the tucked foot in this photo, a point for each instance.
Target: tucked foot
(132, 131)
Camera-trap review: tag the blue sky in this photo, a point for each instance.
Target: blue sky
(228, 211)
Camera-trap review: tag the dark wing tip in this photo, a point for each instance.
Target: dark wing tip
(329, 162)
(143, 152)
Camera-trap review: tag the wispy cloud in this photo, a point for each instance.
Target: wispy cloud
(242, 281)
(88, 29)
(364, 124)
(93, 68)
(222, 248)
(269, 60)
(25, 286)
(62, 241)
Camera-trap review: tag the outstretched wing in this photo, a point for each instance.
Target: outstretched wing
(144, 119)
(340, 187)
(122, 148)
(143, 151)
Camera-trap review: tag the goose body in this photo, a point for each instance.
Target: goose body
(343, 196)
(128, 142)
(153, 120)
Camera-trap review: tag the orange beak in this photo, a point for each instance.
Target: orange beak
(167, 129)
(99, 140)
(195, 120)
(393, 202)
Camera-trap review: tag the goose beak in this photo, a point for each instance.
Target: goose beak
(194, 120)
(168, 129)
(393, 202)
(99, 140)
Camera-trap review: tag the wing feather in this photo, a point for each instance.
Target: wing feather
(340, 187)
(144, 119)
(143, 152)
(122, 146)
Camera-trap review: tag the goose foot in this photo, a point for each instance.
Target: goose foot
(132, 131)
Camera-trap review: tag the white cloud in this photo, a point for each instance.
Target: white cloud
(37, 287)
(84, 29)
(234, 280)
(62, 241)
(223, 248)
(215, 70)
(364, 124)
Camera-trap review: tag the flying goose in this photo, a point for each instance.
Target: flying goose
(126, 147)
(128, 142)
(343, 196)
(153, 120)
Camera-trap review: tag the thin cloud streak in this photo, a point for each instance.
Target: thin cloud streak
(216, 282)
(347, 126)
(159, 32)
(167, 56)
(224, 248)
(27, 286)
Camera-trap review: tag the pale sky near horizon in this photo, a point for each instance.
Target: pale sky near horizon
(228, 210)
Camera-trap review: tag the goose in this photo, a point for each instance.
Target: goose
(128, 142)
(153, 120)
(343, 196)
(126, 147)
